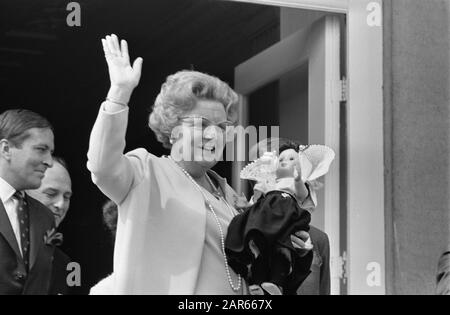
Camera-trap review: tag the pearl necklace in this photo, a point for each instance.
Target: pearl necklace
(222, 237)
(221, 197)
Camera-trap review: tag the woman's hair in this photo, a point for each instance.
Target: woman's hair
(180, 93)
(443, 275)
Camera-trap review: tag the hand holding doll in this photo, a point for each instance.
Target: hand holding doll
(258, 243)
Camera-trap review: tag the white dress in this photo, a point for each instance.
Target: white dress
(163, 222)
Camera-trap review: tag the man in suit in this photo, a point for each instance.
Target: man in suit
(55, 190)
(55, 193)
(26, 147)
(318, 281)
(443, 275)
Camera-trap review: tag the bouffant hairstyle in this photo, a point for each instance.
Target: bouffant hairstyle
(180, 93)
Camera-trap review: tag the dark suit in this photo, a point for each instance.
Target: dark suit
(14, 278)
(58, 284)
(318, 282)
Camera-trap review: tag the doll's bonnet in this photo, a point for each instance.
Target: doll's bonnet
(315, 161)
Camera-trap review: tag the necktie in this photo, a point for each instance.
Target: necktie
(24, 224)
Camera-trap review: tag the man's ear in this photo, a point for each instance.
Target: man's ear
(5, 149)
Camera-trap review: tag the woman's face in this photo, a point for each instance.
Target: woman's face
(200, 136)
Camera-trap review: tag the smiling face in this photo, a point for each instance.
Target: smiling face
(55, 191)
(200, 134)
(28, 161)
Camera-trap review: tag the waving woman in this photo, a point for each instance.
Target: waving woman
(173, 211)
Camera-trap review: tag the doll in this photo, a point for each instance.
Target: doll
(258, 243)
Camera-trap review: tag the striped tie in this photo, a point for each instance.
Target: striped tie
(24, 224)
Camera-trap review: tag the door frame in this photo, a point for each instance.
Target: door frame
(318, 46)
(365, 263)
(337, 6)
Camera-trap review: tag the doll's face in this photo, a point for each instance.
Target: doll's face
(286, 163)
(288, 158)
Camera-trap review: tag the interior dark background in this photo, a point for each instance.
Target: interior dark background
(60, 72)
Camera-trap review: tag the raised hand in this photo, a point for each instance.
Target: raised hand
(123, 76)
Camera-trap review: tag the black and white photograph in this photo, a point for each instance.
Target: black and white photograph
(233, 148)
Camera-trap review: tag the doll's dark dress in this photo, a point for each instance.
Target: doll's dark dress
(269, 223)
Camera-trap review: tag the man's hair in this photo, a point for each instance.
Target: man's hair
(61, 161)
(15, 123)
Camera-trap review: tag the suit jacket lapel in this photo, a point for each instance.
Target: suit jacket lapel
(7, 231)
(37, 230)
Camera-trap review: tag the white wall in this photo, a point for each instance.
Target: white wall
(294, 89)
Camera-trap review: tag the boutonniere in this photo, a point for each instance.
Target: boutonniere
(240, 202)
(52, 238)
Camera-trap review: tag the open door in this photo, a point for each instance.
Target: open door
(363, 266)
(314, 52)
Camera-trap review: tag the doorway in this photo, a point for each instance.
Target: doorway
(295, 84)
(344, 111)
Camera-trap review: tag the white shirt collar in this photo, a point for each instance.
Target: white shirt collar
(6, 190)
